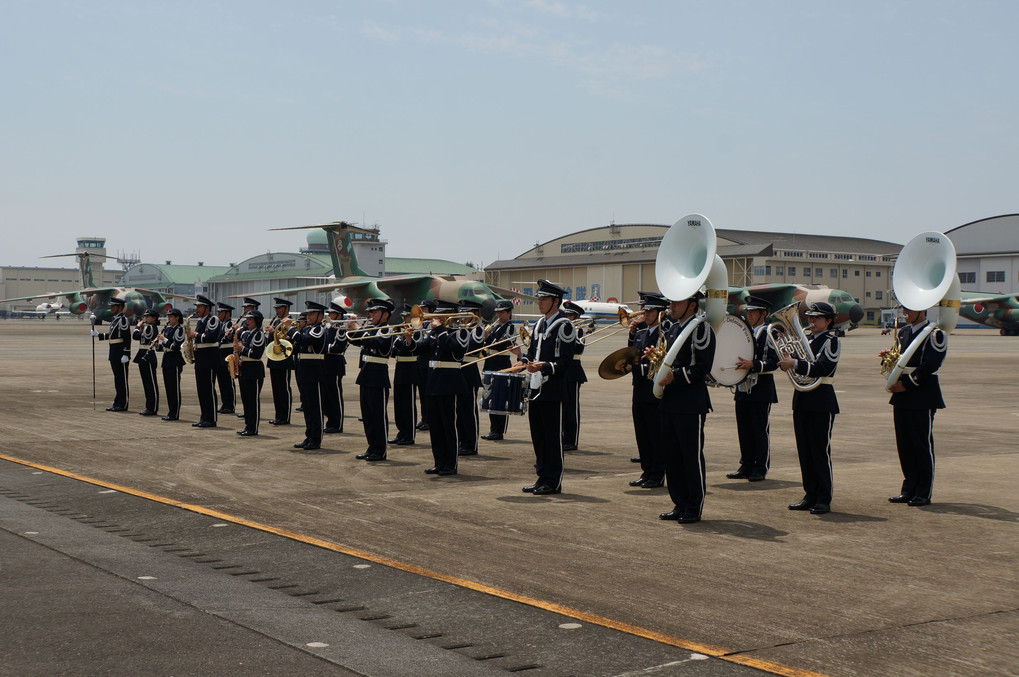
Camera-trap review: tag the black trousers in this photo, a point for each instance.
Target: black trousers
(225, 381)
(171, 384)
(282, 395)
(914, 438)
(122, 393)
(571, 414)
(467, 422)
(332, 401)
(498, 424)
(683, 440)
(251, 392)
(546, 422)
(442, 430)
(147, 371)
(752, 428)
(647, 427)
(205, 380)
(813, 446)
(309, 380)
(374, 401)
(405, 410)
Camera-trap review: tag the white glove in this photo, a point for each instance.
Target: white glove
(95, 333)
(125, 359)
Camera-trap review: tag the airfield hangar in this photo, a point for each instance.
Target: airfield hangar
(987, 252)
(612, 263)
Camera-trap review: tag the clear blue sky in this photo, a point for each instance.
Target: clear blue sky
(470, 130)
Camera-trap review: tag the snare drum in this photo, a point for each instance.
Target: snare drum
(504, 393)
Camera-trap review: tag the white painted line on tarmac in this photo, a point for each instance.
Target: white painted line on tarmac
(570, 626)
(362, 566)
(316, 645)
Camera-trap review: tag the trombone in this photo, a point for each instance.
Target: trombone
(418, 319)
(523, 339)
(625, 320)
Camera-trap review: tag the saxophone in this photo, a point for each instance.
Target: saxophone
(889, 358)
(187, 349)
(233, 360)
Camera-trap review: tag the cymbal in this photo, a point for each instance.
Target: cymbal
(612, 366)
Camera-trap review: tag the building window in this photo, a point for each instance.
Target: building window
(856, 273)
(780, 270)
(792, 271)
(877, 273)
(968, 278)
(767, 270)
(818, 272)
(845, 273)
(833, 273)
(870, 315)
(879, 295)
(868, 294)
(995, 275)
(758, 271)
(868, 273)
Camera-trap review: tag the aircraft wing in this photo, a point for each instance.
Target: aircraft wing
(992, 301)
(778, 295)
(53, 295)
(510, 294)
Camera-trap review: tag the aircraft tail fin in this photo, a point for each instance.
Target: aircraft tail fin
(341, 246)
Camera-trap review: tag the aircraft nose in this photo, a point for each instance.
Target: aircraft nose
(856, 314)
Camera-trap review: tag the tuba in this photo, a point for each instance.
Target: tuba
(686, 261)
(924, 276)
(787, 338)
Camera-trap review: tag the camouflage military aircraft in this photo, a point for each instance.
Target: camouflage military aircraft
(992, 310)
(356, 286)
(848, 312)
(96, 300)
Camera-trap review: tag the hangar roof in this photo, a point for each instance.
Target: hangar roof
(161, 275)
(995, 235)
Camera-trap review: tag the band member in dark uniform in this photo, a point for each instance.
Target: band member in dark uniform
(575, 376)
(647, 419)
(302, 322)
(468, 424)
(376, 342)
(145, 334)
(814, 410)
(207, 334)
(754, 398)
(446, 349)
(226, 348)
(119, 338)
(405, 379)
(684, 408)
(310, 345)
(335, 370)
(280, 370)
(250, 346)
(427, 306)
(248, 305)
(635, 326)
(916, 396)
(500, 337)
(170, 341)
(547, 361)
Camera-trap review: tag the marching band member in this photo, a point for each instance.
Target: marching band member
(310, 345)
(647, 420)
(376, 344)
(754, 398)
(468, 424)
(684, 408)
(171, 339)
(446, 349)
(302, 322)
(405, 378)
(249, 345)
(145, 334)
(335, 370)
(280, 370)
(547, 361)
(226, 348)
(119, 338)
(631, 335)
(575, 376)
(499, 337)
(247, 306)
(427, 306)
(916, 396)
(207, 334)
(814, 411)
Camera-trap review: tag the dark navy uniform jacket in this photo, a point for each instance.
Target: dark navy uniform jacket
(208, 330)
(145, 336)
(406, 370)
(253, 341)
(310, 341)
(500, 338)
(688, 392)
(553, 343)
(375, 342)
(765, 360)
(923, 391)
(336, 345)
(826, 349)
(119, 337)
(442, 345)
(476, 339)
(643, 387)
(173, 339)
(576, 374)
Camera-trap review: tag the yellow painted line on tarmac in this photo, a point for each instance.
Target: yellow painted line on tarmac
(706, 649)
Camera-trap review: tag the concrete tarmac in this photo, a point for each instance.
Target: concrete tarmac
(871, 588)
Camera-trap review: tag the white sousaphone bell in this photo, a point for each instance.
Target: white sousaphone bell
(686, 261)
(924, 277)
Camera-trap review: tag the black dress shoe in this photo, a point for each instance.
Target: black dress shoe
(432, 471)
(273, 421)
(529, 489)
(820, 509)
(544, 490)
(404, 443)
(300, 445)
(312, 446)
(147, 412)
(569, 447)
(635, 459)
(466, 452)
(738, 475)
(447, 473)
(331, 431)
(688, 518)
(393, 441)
(203, 424)
(802, 505)
(673, 514)
(372, 458)
(653, 484)
(916, 500)
(300, 409)
(901, 498)
(246, 433)
(116, 408)
(224, 410)
(637, 482)
(492, 436)
(170, 418)
(422, 426)
(756, 477)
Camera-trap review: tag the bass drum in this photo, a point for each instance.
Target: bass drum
(733, 339)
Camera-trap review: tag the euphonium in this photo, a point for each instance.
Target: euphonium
(187, 349)
(281, 348)
(787, 338)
